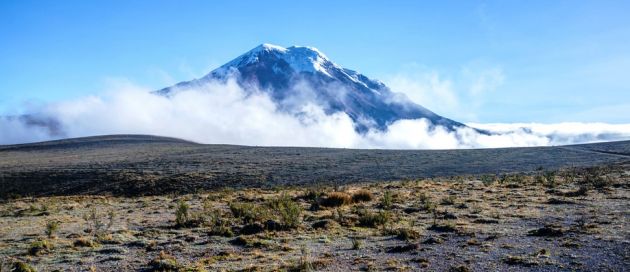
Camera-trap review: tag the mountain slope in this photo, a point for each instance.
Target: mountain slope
(297, 76)
(141, 164)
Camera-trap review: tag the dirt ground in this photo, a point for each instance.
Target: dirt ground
(576, 219)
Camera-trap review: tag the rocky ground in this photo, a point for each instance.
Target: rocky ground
(573, 219)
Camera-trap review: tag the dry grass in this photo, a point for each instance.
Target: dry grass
(406, 225)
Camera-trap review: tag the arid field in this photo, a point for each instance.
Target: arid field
(573, 216)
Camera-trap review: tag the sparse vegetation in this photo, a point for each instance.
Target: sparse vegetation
(181, 214)
(388, 200)
(336, 199)
(288, 210)
(403, 227)
(356, 243)
(51, 228)
(448, 200)
(40, 247)
(374, 219)
(362, 196)
(22, 267)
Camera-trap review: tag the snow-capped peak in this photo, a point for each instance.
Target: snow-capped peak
(276, 70)
(268, 47)
(299, 58)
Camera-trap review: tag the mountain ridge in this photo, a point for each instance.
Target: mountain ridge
(297, 75)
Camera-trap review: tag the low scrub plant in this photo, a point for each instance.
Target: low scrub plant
(336, 199)
(388, 200)
(372, 219)
(362, 196)
(288, 211)
(51, 228)
(182, 216)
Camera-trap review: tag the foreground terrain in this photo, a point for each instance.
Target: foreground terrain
(134, 165)
(570, 219)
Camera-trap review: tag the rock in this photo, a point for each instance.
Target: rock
(273, 225)
(250, 229)
(433, 240)
(402, 249)
(547, 231)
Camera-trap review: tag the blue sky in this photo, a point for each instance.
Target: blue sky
(503, 61)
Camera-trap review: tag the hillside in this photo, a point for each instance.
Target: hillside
(149, 165)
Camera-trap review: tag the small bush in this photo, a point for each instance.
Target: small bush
(449, 200)
(84, 242)
(550, 179)
(93, 221)
(23, 267)
(95, 224)
(373, 220)
(357, 243)
(51, 228)
(249, 212)
(313, 194)
(488, 179)
(218, 224)
(596, 177)
(39, 247)
(181, 214)
(288, 211)
(362, 196)
(164, 262)
(336, 199)
(405, 234)
(387, 201)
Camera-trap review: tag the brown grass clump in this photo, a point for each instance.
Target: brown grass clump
(336, 199)
(164, 262)
(84, 242)
(362, 196)
(39, 247)
(23, 267)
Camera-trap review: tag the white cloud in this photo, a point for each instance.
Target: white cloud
(460, 97)
(226, 114)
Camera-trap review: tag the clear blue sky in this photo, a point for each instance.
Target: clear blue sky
(559, 60)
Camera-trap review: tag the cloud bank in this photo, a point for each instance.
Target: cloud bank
(224, 113)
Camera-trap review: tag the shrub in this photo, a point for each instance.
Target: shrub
(249, 212)
(51, 228)
(23, 267)
(357, 243)
(550, 178)
(595, 176)
(164, 262)
(218, 224)
(336, 199)
(288, 210)
(449, 200)
(362, 196)
(568, 176)
(488, 179)
(405, 234)
(93, 221)
(181, 214)
(312, 194)
(39, 247)
(84, 242)
(373, 220)
(387, 201)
